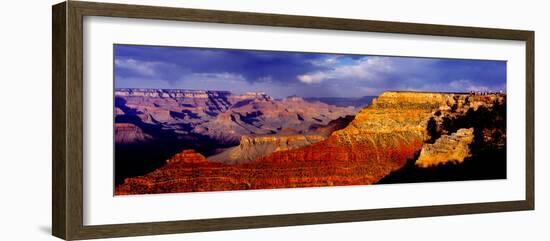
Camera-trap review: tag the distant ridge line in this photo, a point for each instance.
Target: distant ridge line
(168, 90)
(442, 92)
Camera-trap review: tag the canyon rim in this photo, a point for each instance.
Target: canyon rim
(198, 119)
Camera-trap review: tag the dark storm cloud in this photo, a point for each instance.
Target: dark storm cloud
(253, 65)
(305, 74)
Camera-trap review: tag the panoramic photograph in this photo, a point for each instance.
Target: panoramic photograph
(190, 119)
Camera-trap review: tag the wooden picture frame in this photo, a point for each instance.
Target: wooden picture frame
(67, 152)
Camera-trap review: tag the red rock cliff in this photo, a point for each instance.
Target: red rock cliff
(379, 140)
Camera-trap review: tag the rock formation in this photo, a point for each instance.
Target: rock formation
(452, 148)
(187, 156)
(252, 147)
(153, 124)
(379, 140)
(130, 133)
(221, 115)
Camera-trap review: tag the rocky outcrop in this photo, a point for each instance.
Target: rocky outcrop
(254, 147)
(452, 148)
(187, 156)
(379, 141)
(181, 173)
(461, 108)
(130, 133)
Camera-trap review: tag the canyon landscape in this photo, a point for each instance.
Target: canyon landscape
(217, 141)
(201, 120)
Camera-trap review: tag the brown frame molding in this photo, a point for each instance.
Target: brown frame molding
(67, 120)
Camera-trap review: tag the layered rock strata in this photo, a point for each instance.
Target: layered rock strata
(130, 133)
(252, 147)
(379, 140)
(221, 116)
(452, 148)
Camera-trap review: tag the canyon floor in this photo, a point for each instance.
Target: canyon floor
(170, 141)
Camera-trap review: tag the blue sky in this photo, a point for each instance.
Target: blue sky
(282, 74)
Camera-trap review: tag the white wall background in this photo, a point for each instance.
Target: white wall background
(25, 120)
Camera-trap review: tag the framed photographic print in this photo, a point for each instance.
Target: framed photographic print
(171, 120)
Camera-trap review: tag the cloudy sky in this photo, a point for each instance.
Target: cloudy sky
(282, 74)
